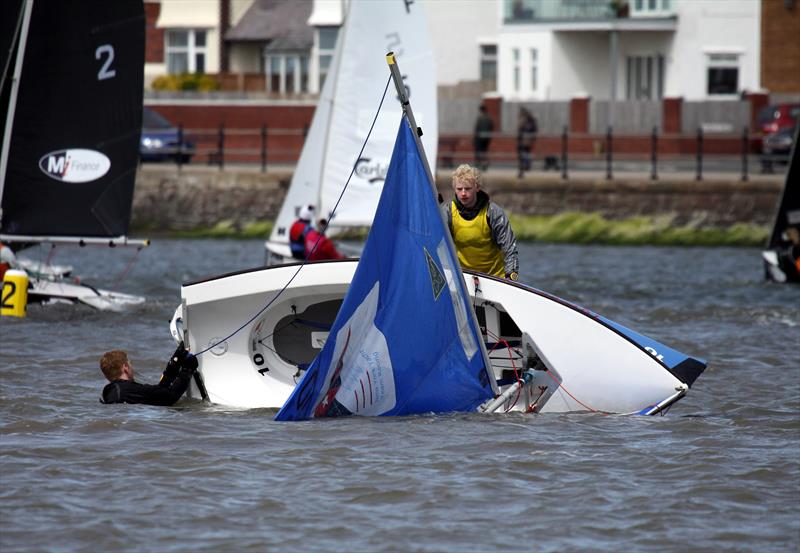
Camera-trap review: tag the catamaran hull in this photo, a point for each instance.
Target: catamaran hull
(593, 364)
(59, 291)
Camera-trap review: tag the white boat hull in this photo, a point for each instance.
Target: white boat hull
(62, 291)
(256, 350)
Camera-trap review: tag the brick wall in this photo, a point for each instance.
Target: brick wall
(154, 38)
(287, 124)
(780, 46)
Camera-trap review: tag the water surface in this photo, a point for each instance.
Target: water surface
(719, 472)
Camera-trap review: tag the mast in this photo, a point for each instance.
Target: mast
(12, 97)
(417, 133)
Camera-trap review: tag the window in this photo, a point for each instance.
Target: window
(516, 69)
(649, 8)
(185, 51)
(327, 44)
(644, 77)
(723, 74)
(489, 63)
(534, 69)
(287, 73)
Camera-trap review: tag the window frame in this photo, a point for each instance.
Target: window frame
(724, 61)
(191, 51)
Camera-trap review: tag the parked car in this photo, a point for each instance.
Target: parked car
(774, 118)
(162, 141)
(776, 147)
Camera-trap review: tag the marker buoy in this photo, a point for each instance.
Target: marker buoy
(14, 295)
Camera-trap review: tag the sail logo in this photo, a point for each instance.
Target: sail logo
(371, 170)
(360, 378)
(75, 165)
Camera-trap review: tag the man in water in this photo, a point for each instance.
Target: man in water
(122, 387)
(480, 228)
(308, 243)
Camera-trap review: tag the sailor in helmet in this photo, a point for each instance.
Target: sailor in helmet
(7, 260)
(308, 243)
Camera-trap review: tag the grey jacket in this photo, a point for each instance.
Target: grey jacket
(502, 234)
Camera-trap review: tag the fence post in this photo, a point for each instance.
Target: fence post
(221, 146)
(745, 148)
(609, 148)
(699, 147)
(263, 147)
(179, 155)
(654, 155)
(564, 138)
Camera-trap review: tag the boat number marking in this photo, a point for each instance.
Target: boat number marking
(105, 71)
(264, 370)
(654, 353)
(12, 287)
(258, 359)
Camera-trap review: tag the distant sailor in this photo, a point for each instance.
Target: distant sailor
(7, 259)
(480, 228)
(308, 243)
(122, 387)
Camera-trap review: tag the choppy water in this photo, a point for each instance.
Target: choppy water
(719, 472)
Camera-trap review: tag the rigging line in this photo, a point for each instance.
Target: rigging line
(352, 172)
(560, 385)
(305, 261)
(124, 272)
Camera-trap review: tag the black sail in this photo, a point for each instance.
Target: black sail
(788, 214)
(77, 120)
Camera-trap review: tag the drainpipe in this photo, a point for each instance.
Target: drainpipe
(614, 55)
(224, 25)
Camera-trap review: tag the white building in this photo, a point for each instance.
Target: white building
(646, 49)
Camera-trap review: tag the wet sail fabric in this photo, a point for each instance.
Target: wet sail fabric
(404, 341)
(342, 120)
(74, 145)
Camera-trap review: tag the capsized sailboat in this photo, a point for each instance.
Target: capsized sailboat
(404, 340)
(544, 354)
(782, 256)
(72, 89)
(341, 120)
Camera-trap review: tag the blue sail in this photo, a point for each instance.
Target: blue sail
(404, 341)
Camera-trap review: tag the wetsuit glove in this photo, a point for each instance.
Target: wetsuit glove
(174, 364)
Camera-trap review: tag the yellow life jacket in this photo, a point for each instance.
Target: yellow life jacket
(474, 243)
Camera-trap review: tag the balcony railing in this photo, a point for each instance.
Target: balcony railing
(537, 11)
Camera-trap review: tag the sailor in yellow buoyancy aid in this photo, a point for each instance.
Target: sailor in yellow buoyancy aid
(481, 231)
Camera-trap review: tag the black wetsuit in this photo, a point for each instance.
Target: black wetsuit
(173, 384)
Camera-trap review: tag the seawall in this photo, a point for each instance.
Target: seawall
(167, 199)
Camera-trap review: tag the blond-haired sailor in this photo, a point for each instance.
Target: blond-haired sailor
(480, 228)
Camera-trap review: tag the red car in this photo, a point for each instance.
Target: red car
(778, 117)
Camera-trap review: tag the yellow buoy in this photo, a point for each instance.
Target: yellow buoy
(14, 296)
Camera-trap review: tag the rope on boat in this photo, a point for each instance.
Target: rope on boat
(330, 217)
(560, 386)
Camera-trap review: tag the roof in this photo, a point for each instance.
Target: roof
(282, 24)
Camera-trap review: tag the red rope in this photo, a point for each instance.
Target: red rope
(125, 271)
(499, 341)
(549, 373)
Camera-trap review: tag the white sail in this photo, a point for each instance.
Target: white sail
(346, 109)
